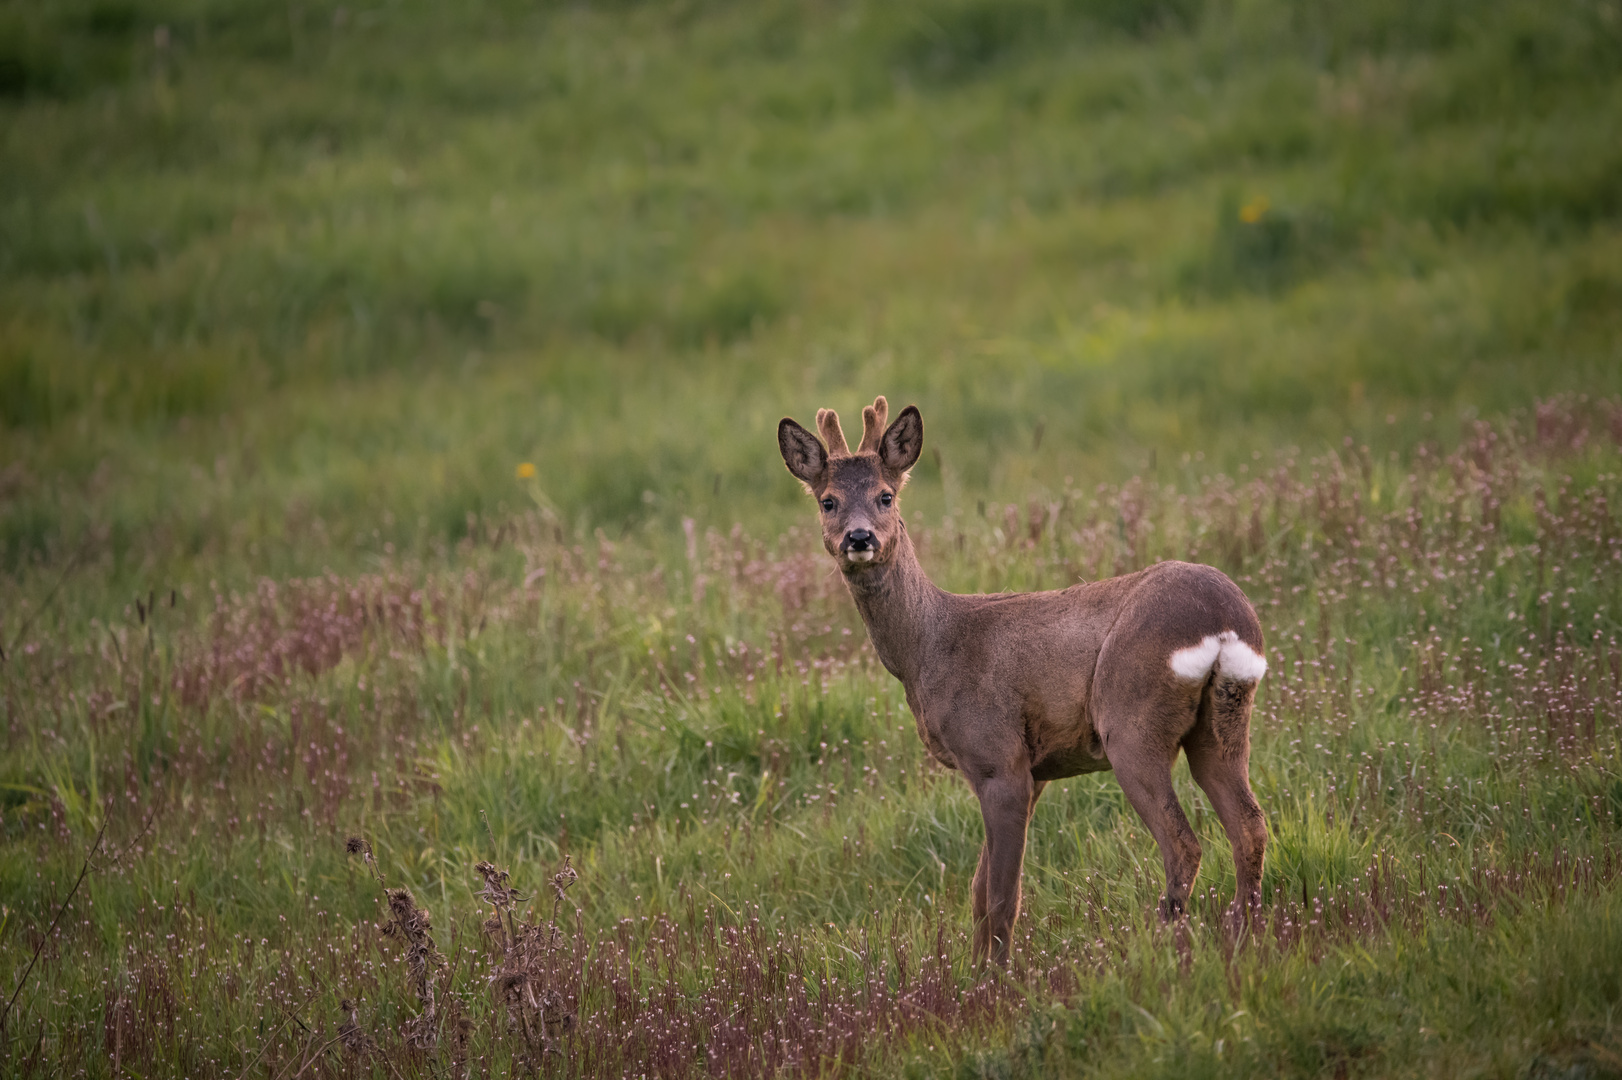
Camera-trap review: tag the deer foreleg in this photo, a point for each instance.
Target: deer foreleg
(978, 890)
(1005, 807)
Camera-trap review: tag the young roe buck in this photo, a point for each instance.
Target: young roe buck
(1017, 689)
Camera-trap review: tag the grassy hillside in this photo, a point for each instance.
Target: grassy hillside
(1328, 295)
(374, 257)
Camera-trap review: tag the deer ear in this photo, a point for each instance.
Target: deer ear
(903, 441)
(802, 452)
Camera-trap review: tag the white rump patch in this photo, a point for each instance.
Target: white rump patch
(1239, 661)
(1224, 651)
(1194, 663)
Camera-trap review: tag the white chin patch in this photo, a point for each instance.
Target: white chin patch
(1232, 658)
(861, 556)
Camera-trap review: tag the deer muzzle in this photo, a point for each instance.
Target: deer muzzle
(860, 545)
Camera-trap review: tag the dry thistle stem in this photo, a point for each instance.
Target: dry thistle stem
(354, 1040)
(414, 928)
(527, 981)
(561, 881)
(503, 898)
(461, 1032)
(412, 925)
(357, 845)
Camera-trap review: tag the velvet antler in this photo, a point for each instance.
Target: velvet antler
(874, 417)
(832, 433)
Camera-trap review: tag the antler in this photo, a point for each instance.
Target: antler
(874, 417)
(832, 433)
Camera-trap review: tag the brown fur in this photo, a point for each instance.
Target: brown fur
(1016, 690)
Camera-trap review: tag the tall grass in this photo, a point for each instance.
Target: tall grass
(772, 876)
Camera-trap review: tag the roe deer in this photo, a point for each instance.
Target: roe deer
(1017, 689)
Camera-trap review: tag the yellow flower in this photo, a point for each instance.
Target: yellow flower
(1253, 210)
(526, 470)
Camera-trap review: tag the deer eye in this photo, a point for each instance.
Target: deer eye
(827, 506)
(885, 498)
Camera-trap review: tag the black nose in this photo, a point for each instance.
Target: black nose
(859, 540)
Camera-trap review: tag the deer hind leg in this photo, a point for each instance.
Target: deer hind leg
(1226, 784)
(1006, 802)
(1219, 758)
(1145, 776)
(1143, 711)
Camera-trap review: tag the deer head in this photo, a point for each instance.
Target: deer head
(857, 492)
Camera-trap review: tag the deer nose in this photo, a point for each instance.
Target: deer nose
(859, 540)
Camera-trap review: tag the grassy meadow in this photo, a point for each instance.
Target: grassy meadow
(403, 601)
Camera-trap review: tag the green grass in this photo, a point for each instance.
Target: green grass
(287, 292)
(624, 242)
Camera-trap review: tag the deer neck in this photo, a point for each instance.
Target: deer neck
(900, 606)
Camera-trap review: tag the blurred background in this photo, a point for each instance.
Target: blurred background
(283, 283)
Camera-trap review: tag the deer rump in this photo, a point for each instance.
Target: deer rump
(1146, 657)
